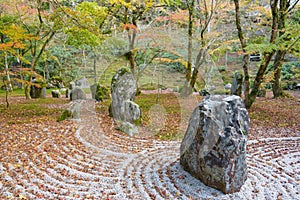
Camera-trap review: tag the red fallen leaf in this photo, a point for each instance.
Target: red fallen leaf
(180, 177)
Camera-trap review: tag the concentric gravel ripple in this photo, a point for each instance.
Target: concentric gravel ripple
(114, 166)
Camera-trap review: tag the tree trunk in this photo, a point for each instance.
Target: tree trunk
(8, 86)
(266, 56)
(247, 100)
(259, 78)
(95, 68)
(190, 42)
(246, 81)
(187, 90)
(276, 87)
(27, 91)
(199, 61)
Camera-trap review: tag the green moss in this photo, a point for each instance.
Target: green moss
(102, 92)
(120, 72)
(40, 82)
(138, 121)
(66, 114)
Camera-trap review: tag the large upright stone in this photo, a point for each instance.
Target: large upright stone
(77, 93)
(214, 146)
(123, 90)
(35, 92)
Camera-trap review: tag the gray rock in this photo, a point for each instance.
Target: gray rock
(93, 89)
(63, 90)
(237, 84)
(43, 93)
(55, 93)
(73, 112)
(123, 109)
(128, 128)
(228, 86)
(77, 93)
(123, 88)
(83, 83)
(71, 85)
(36, 89)
(35, 92)
(214, 146)
(132, 112)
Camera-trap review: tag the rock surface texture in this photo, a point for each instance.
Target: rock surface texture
(77, 93)
(55, 93)
(123, 109)
(214, 146)
(237, 84)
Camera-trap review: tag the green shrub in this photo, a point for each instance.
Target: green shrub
(290, 71)
(66, 114)
(102, 92)
(222, 69)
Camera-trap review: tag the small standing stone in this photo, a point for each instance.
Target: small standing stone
(237, 84)
(71, 85)
(44, 93)
(82, 83)
(214, 146)
(55, 93)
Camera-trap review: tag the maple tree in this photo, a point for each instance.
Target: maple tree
(288, 39)
(85, 27)
(200, 19)
(12, 40)
(127, 13)
(279, 43)
(37, 20)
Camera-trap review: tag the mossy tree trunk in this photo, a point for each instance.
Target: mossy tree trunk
(246, 55)
(280, 54)
(187, 90)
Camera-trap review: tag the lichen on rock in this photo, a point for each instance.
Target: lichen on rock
(214, 146)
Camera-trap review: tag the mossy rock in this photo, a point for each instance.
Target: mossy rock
(138, 121)
(119, 73)
(65, 115)
(102, 93)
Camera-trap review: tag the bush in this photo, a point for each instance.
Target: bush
(56, 81)
(222, 69)
(101, 92)
(176, 67)
(290, 71)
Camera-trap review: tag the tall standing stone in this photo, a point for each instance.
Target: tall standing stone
(44, 93)
(123, 109)
(214, 146)
(237, 84)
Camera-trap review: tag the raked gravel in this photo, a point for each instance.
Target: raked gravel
(112, 166)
